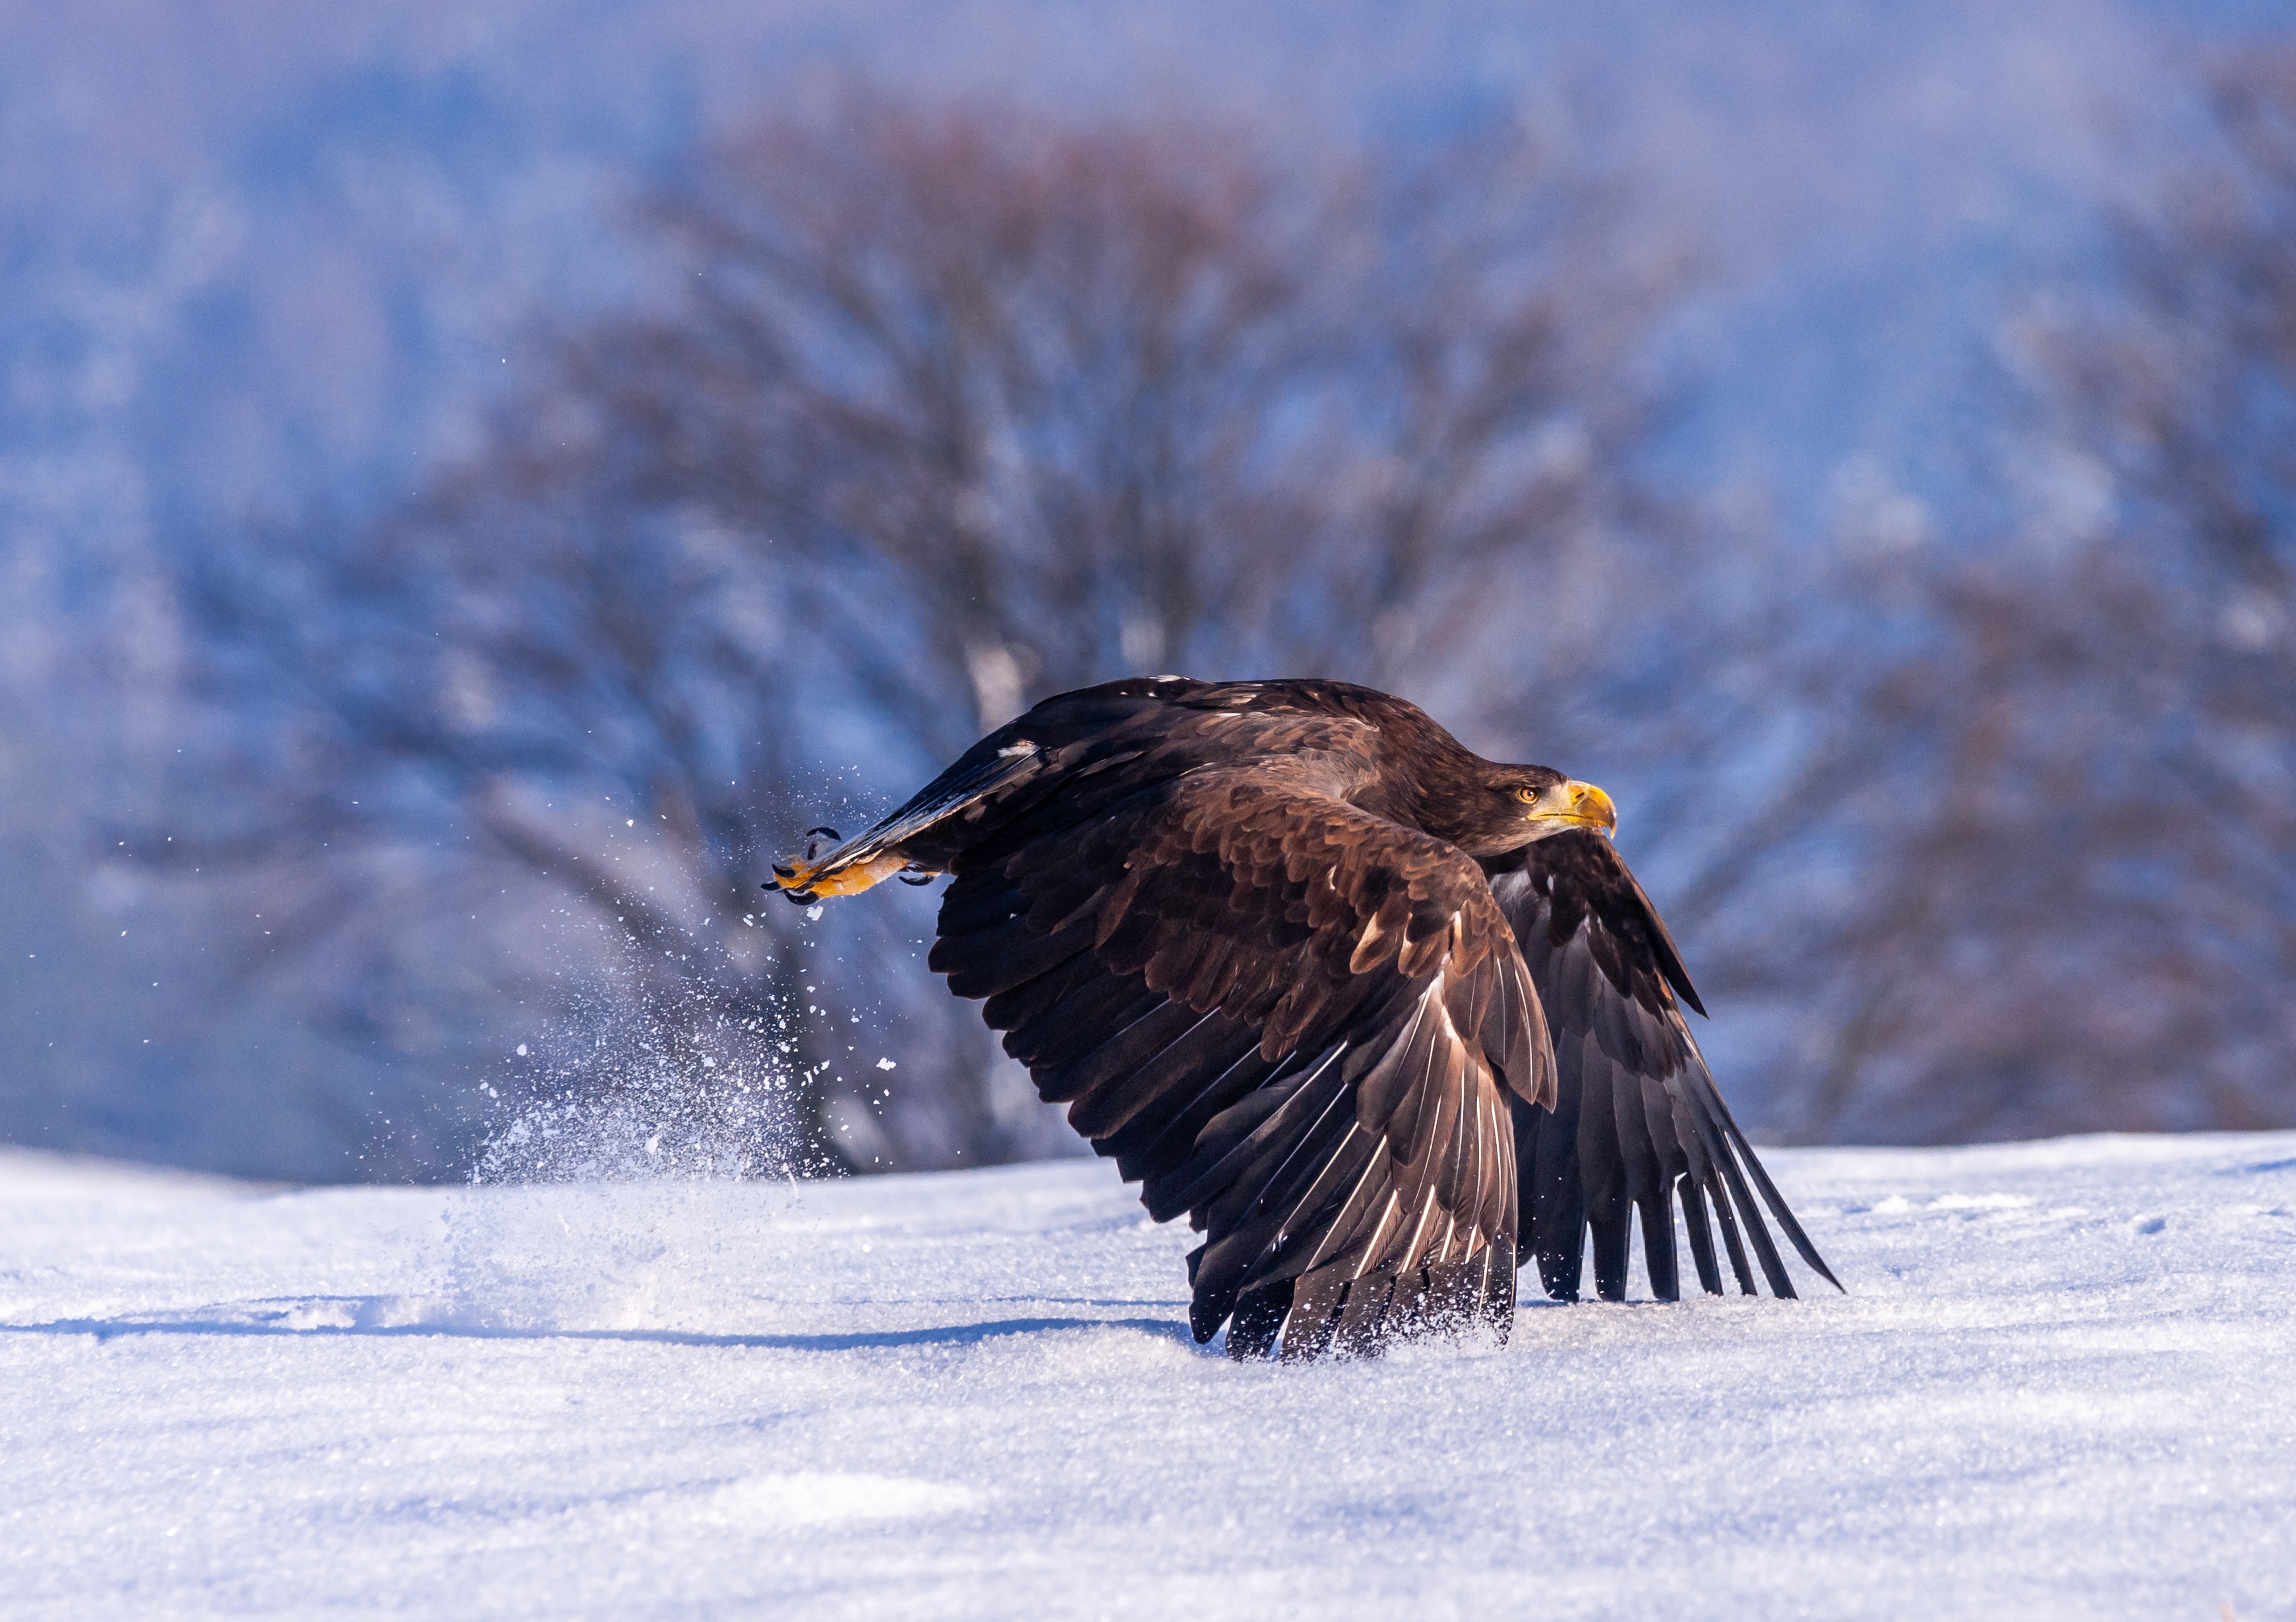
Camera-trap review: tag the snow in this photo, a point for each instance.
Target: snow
(2059, 1386)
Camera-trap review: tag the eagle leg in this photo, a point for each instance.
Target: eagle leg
(805, 884)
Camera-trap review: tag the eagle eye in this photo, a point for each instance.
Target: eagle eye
(1529, 796)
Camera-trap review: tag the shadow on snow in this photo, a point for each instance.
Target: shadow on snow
(955, 1334)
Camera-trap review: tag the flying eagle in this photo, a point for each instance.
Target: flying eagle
(1378, 1014)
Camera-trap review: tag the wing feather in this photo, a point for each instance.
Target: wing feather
(1638, 1124)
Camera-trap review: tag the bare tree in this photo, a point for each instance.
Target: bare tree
(938, 411)
(2051, 879)
(1036, 406)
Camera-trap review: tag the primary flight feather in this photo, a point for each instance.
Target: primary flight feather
(1381, 1017)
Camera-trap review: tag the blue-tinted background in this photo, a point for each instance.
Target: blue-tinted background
(265, 271)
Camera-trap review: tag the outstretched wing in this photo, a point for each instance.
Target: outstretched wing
(1637, 1122)
(1291, 1020)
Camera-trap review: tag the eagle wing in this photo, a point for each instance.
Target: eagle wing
(1637, 1121)
(1291, 1020)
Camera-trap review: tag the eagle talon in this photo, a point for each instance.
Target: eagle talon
(806, 879)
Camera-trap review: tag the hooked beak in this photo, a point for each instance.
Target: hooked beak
(1573, 805)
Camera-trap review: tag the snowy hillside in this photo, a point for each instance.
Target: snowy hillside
(2059, 1386)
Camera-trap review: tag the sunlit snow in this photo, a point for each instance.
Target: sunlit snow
(2060, 1386)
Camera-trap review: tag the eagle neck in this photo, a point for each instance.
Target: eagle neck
(1419, 773)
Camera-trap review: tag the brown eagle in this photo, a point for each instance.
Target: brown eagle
(1363, 1004)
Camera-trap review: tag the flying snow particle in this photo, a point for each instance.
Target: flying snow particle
(886, 1064)
(521, 1050)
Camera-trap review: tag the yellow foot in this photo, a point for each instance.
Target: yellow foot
(804, 884)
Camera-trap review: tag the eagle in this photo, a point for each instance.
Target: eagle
(1381, 1017)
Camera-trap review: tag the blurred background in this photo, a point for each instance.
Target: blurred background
(477, 479)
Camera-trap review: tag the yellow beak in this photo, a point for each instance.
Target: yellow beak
(1574, 805)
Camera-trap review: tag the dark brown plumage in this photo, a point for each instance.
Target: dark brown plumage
(1288, 953)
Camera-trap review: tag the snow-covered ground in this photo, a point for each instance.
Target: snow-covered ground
(2063, 1384)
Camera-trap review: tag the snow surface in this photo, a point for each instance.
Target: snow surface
(2059, 1386)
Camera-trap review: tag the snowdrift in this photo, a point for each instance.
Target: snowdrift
(2059, 1386)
